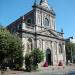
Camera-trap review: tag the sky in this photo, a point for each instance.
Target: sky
(10, 10)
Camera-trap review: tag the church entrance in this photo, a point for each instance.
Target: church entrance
(48, 56)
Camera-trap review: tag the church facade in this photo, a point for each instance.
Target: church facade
(37, 30)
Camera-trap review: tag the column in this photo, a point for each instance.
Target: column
(24, 43)
(44, 50)
(64, 54)
(57, 52)
(52, 53)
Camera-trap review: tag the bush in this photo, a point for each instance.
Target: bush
(32, 59)
(38, 56)
(18, 63)
(28, 62)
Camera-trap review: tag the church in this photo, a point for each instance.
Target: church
(37, 29)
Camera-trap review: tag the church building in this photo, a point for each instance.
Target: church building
(37, 29)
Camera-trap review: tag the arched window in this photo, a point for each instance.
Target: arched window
(60, 48)
(46, 22)
(29, 45)
(19, 26)
(29, 21)
(40, 44)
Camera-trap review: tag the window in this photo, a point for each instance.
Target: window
(60, 48)
(29, 21)
(19, 26)
(40, 44)
(29, 45)
(46, 22)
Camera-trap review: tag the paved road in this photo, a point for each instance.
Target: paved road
(51, 70)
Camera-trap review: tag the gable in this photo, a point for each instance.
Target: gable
(50, 33)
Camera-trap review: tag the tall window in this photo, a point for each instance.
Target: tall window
(29, 45)
(19, 26)
(60, 48)
(46, 22)
(29, 21)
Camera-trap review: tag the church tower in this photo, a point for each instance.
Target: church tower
(44, 15)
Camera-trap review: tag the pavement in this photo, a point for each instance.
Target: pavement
(51, 70)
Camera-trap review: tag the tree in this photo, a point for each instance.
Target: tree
(10, 48)
(28, 62)
(33, 59)
(38, 56)
(70, 50)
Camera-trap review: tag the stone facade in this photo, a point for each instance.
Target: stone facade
(37, 29)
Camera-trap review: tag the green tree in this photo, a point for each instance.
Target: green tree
(38, 56)
(10, 48)
(28, 62)
(34, 58)
(70, 50)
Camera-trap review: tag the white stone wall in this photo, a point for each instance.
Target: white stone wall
(40, 17)
(24, 43)
(24, 27)
(43, 43)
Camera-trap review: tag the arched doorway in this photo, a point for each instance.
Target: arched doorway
(48, 56)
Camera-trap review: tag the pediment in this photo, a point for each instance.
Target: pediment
(51, 33)
(47, 33)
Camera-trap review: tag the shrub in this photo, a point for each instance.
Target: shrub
(32, 59)
(28, 62)
(18, 63)
(38, 56)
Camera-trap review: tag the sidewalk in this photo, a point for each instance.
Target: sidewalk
(51, 70)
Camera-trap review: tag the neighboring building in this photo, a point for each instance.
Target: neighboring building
(37, 30)
(72, 40)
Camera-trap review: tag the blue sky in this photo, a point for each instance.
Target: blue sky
(10, 10)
